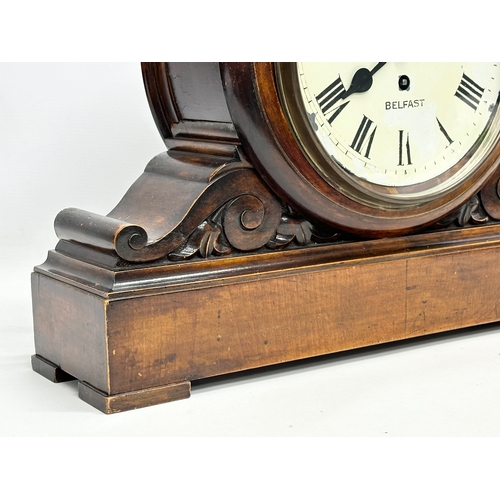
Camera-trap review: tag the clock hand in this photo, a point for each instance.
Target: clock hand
(362, 80)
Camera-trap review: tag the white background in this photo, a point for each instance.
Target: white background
(78, 135)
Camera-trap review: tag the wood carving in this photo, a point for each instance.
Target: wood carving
(232, 209)
(223, 194)
(482, 208)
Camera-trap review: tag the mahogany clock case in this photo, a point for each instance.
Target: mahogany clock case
(279, 151)
(208, 266)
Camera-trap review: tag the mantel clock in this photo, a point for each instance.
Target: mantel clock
(299, 209)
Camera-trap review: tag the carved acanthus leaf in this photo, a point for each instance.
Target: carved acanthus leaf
(471, 212)
(291, 228)
(207, 239)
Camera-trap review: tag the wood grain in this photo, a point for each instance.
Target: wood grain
(122, 342)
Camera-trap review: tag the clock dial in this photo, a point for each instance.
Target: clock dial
(396, 131)
(373, 148)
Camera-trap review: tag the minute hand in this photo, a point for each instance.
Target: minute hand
(362, 80)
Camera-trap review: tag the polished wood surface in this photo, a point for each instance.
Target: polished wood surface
(220, 259)
(189, 107)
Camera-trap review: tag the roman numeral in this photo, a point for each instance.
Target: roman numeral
(361, 139)
(443, 130)
(329, 97)
(469, 92)
(404, 147)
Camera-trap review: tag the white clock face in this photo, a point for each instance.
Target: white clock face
(402, 124)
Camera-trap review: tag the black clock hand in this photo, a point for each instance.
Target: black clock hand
(362, 80)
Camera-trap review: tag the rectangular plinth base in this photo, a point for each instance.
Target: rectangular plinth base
(140, 342)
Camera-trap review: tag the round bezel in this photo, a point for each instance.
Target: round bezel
(258, 94)
(362, 190)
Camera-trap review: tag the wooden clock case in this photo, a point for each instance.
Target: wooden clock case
(218, 259)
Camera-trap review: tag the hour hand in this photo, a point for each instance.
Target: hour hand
(362, 80)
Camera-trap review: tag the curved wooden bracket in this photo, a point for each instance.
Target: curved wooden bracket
(187, 203)
(178, 193)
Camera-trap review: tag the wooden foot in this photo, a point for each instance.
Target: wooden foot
(133, 400)
(49, 370)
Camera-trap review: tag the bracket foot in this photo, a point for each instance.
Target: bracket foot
(49, 370)
(132, 400)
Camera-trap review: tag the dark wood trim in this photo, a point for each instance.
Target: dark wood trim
(118, 282)
(206, 126)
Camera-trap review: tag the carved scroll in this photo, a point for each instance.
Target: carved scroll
(187, 204)
(181, 197)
